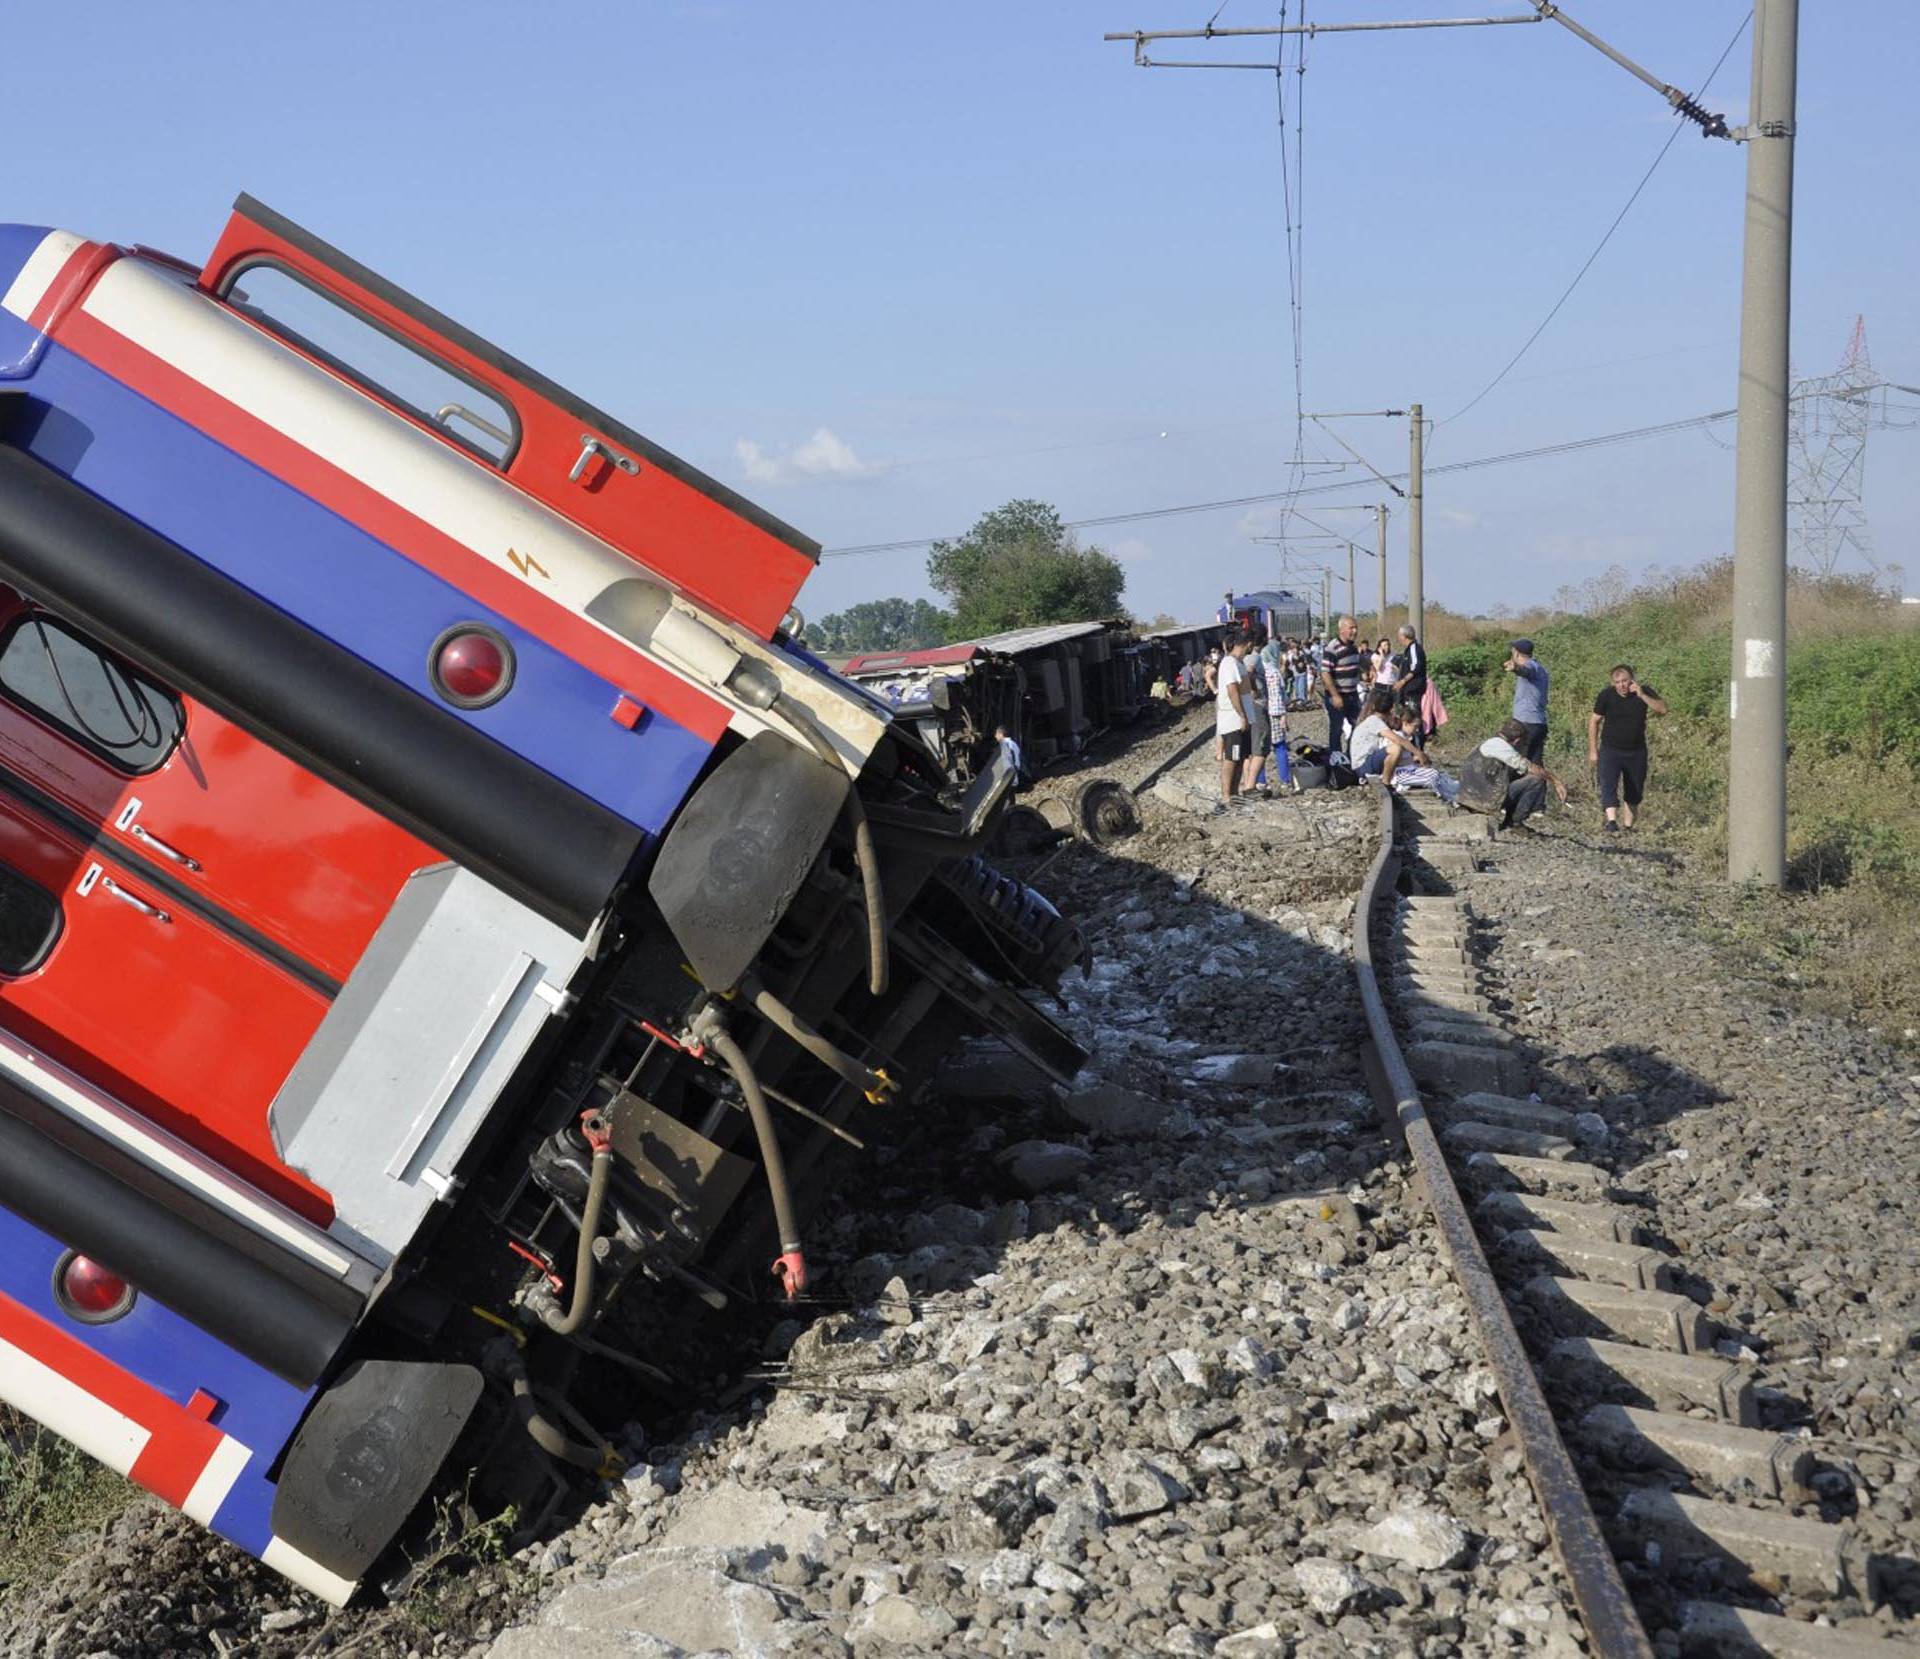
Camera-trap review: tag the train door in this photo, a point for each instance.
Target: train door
(107, 974)
(212, 816)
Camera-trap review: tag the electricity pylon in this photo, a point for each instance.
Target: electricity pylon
(1832, 415)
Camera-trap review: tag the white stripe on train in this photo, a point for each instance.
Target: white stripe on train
(44, 264)
(287, 1561)
(61, 1404)
(419, 473)
(79, 1100)
(110, 1436)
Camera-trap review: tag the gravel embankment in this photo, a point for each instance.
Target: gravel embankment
(1777, 1151)
(1175, 1367)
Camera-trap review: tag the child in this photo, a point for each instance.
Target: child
(1406, 766)
(1277, 734)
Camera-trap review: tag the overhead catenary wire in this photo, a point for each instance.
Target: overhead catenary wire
(1293, 198)
(1268, 497)
(1579, 276)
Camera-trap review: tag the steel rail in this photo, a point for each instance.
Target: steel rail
(1613, 1626)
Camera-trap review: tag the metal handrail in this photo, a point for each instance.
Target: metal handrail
(1613, 1626)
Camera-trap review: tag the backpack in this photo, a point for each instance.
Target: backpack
(1483, 783)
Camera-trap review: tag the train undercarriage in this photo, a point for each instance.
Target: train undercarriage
(659, 1164)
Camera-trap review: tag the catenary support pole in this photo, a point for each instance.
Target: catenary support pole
(1416, 528)
(1326, 600)
(1353, 597)
(1757, 690)
(1381, 521)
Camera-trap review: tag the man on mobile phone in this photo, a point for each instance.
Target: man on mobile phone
(1617, 744)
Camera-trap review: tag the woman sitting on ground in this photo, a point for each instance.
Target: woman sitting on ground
(1367, 744)
(1406, 765)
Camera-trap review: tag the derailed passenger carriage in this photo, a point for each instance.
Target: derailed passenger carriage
(1056, 688)
(441, 901)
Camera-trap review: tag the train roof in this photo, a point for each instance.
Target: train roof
(888, 662)
(1029, 639)
(1179, 628)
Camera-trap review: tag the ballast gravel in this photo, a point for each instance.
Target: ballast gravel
(1171, 1364)
(1773, 1152)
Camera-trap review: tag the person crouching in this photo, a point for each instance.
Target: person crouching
(1499, 779)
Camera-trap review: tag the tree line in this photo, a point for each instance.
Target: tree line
(1018, 567)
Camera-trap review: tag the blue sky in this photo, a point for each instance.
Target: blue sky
(884, 267)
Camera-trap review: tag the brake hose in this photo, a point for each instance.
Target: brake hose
(864, 854)
(791, 1267)
(877, 1086)
(602, 1460)
(599, 1135)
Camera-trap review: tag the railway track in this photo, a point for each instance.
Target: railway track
(1681, 1523)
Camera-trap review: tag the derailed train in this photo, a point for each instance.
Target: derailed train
(441, 907)
(1054, 688)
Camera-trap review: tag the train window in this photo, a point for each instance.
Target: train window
(68, 681)
(29, 922)
(393, 370)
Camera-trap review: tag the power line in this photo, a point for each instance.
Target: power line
(1645, 179)
(1293, 197)
(1568, 447)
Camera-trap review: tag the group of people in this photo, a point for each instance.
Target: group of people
(1381, 714)
(1251, 684)
(1351, 674)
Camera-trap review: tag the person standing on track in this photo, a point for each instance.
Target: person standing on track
(1232, 723)
(1260, 738)
(1010, 748)
(1530, 681)
(1410, 675)
(1340, 685)
(1617, 744)
(1277, 728)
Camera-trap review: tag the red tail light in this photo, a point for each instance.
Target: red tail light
(471, 666)
(89, 1292)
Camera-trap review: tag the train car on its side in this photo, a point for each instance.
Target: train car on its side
(1055, 688)
(449, 925)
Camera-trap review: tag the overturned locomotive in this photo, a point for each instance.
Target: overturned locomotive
(443, 907)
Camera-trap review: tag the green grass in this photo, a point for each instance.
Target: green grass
(1843, 931)
(49, 1490)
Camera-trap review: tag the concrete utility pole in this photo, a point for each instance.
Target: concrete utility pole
(1757, 691)
(1381, 519)
(1379, 511)
(1416, 529)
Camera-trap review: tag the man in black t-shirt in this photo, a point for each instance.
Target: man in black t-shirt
(1340, 686)
(1617, 743)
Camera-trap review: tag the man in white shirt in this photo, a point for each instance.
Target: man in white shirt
(1232, 717)
(1498, 778)
(1011, 749)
